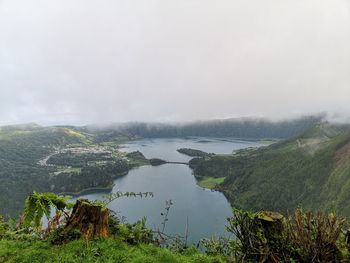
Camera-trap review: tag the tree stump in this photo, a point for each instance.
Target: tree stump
(271, 222)
(272, 225)
(90, 219)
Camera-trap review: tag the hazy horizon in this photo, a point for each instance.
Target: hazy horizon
(322, 116)
(86, 62)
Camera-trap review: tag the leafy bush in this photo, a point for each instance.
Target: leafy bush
(60, 236)
(113, 223)
(259, 235)
(220, 246)
(135, 233)
(269, 237)
(9, 230)
(314, 237)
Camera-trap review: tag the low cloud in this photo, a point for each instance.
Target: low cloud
(115, 61)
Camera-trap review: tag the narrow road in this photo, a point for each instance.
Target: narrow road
(178, 163)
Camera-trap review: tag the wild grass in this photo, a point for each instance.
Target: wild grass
(102, 250)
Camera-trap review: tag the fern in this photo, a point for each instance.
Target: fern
(39, 204)
(111, 197)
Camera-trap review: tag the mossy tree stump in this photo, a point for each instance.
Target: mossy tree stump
(271, 222)
(91, 219)
(272, 226)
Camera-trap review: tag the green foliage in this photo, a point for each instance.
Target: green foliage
(210, 182)
(78, 159)
(311, 170)
(156, 161)
(113, 223)
(315, 237)
(61, 236)
(136, 233)
(136, 159)
(3, 227)
(220, 247)
(39, 204)
(74, 162)
(249, 233)
(303, 236)
(259, 237)
(104, 250)
(193, 152)
(21, 148)
(136, 155)
(9, 230)
(91, 176)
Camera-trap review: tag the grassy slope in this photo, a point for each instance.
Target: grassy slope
(108, 250)
(312, 170)
(210, 182)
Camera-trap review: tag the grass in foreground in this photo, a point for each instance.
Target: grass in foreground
(103, 250)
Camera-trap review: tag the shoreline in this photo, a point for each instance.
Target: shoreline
(97, 189)
(90, 190)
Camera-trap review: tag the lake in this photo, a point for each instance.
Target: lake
(204, 210)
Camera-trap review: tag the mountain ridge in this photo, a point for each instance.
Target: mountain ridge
(311, 170)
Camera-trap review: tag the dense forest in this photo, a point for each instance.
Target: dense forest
(57, 159)
(311, 170)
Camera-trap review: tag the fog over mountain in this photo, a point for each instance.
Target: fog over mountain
(89, 61)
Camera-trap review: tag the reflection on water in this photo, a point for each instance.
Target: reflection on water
(166, 148)
(206, 210)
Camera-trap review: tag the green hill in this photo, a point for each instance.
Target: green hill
(21, 148)
(253, 128)
(57, 159)
(311, 170)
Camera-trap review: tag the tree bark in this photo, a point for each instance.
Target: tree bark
(90, 219)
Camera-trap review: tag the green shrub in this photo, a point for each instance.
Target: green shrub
(314, 237)
(136, 233)
(220, 246)
(61, 235)
(269, 237)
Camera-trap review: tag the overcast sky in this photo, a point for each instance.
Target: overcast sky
(94, 61)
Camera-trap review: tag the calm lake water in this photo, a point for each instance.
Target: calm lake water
(205, 210)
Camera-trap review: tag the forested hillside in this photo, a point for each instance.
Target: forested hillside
(67, 159)
(57, 159)
(311, 171)
(21, 148)
(238, 128)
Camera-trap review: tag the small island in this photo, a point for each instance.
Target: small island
(193, 152)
